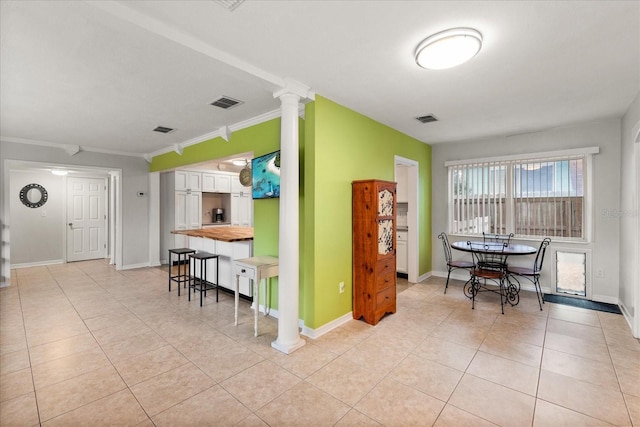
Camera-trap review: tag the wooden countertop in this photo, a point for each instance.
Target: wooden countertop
(224, 234)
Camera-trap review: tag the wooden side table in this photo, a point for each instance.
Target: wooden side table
(255, 269)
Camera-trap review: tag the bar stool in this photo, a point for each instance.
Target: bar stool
(182, 276)
(200, 284)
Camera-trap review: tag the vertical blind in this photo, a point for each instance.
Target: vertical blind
(530, 197)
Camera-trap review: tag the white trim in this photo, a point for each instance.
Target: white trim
(133, 266)
(588, 270)
(65, 146)
(270, 115)
(605, 298)
(413, 196)
(634, 320)
(37, 264)
(327, 327)
(425, 276)
(127, 14)
(545, 154)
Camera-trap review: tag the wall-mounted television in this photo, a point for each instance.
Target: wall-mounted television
(265, 176)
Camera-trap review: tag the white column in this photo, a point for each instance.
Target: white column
(288, 282)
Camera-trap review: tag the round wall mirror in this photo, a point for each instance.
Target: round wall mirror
(33, 195)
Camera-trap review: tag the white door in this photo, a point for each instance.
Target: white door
(86, 219)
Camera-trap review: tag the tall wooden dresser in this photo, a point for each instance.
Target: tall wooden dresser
(374, 249)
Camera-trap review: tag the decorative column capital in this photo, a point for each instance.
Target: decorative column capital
(294, 87)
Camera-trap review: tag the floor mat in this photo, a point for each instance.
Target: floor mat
(583, 303)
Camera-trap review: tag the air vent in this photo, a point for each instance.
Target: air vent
(163, 129)
(225, 102)
(229, 4)
(427, 119)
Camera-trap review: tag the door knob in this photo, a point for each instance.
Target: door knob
(70, 224)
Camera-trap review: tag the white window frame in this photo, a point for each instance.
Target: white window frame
(588, 204)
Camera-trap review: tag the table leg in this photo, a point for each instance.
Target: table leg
(236, 296)
(266, 295)
(256, 285)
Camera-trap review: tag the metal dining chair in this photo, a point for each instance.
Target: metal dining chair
(532, 274)
(452, 264)
(497, 238)
(490, 262)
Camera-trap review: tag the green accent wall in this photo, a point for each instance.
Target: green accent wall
(337, 146)
(343, 146)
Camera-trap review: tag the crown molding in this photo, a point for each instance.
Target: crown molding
(70, 149)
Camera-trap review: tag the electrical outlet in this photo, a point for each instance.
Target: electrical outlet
(600, 273)
(341, 287)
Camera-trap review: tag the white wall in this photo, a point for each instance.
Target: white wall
(135, 210)
(604, 134)
(628, 217)
(37, 233)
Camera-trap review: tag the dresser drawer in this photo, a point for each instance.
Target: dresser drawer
(386, 266)
(386, 300)
(244, 271)
(383, 281)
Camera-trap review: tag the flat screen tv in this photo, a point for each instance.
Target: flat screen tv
(265, 176)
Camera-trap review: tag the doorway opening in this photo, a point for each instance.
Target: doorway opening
(56, 212)
(406, 175)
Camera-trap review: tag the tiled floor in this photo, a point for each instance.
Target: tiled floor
(82, 344)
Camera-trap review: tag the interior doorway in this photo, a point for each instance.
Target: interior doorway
(407, 171)
(112, 215)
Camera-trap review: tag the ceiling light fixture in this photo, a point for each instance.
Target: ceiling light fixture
(448, 48)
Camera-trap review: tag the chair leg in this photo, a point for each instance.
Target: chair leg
(447, 284)
(536, 283)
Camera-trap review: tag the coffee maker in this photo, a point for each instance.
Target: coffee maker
(218, 215)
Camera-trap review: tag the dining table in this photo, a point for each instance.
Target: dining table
(509, 290)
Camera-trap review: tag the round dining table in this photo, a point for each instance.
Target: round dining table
(489, 247)
(509, 292)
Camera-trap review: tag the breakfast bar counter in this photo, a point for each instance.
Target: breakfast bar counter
(223, 234)
(229, 243)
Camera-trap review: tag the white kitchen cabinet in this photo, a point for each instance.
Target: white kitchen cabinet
(236, 187)
(216, 182)
(227, 252)
(241, 209)
(188, 213)
(180, 210)
(401, 252)
(188, 181)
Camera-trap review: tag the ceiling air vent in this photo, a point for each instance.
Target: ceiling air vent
(163, 129)
(225, 102)
(427, 119)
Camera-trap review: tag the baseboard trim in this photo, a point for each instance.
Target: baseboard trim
(327, 327)
(37, 264)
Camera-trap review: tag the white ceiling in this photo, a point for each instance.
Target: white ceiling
(102, 75)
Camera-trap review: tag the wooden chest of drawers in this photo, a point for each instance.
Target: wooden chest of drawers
(374, 249)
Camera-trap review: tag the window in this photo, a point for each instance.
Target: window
(538, 195)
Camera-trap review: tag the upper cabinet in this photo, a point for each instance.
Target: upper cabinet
(217, 182)
(188, 181)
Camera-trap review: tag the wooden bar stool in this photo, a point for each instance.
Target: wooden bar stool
(201, 284)
(182, 276)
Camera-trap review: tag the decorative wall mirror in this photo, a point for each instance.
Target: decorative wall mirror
(33, 195)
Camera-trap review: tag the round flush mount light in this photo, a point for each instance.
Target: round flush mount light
(448, 48)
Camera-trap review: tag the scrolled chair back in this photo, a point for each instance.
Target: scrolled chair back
(445, 245)
(489, 255)
(497, 238)
(537, 265)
